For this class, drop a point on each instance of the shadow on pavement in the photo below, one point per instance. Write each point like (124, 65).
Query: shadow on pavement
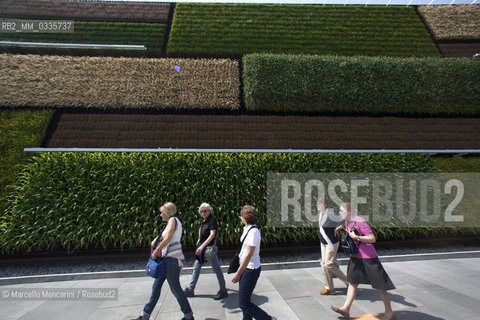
(231, 302)
(372, 295)
(413, 315)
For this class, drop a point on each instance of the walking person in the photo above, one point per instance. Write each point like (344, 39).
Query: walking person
(207, 238)
(364, 267)
(329, 245)
(171, 235)
(250, 267)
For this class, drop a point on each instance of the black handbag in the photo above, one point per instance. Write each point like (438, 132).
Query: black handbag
(209, 251)
(235, 262)
(348, 244)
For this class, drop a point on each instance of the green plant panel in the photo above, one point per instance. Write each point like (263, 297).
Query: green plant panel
(74, 201)
(457, 164)
(370, 85)
(19, 129)
(232, 30)
(122, 33)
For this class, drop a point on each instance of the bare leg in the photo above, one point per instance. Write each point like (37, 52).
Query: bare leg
(386, 301)
(351, 294)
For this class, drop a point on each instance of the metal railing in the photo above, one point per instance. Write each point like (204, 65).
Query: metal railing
(457, 152)
(73, 45)
(324, 2)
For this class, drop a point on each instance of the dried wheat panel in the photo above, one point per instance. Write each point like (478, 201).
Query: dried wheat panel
(459, 22)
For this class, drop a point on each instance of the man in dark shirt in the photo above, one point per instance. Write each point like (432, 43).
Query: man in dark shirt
(207, 237)
(208, 225)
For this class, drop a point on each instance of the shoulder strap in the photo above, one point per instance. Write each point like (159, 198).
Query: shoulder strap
(241, 244)
(159, 236)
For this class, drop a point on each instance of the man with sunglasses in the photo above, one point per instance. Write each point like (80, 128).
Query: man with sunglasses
(207, 236)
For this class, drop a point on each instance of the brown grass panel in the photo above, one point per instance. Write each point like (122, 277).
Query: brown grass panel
(87, 11)
(106, 82)
(458, 50)
(272, 132)
(459, 22)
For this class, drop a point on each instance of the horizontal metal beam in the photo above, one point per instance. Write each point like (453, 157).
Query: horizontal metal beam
(324, 2)
(72, 45)
(193, 150)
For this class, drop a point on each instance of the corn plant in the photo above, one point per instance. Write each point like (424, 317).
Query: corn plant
(76, 201)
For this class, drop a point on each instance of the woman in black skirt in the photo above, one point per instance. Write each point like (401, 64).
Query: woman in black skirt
(364, 266)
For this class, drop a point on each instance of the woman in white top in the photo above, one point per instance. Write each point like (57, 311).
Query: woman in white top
(250, 266)
(171, 235)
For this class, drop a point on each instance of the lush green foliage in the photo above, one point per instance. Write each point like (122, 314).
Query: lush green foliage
(149, 34)
(18, 130)
(232, 30)
(96, 200)
(373, 85)
(457, 164)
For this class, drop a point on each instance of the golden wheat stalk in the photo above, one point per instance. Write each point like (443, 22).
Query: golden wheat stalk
(107, 82)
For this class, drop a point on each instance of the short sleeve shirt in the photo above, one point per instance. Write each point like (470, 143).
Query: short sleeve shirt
(365, 250)
(326, 221)
(253, 239)
(208, 225)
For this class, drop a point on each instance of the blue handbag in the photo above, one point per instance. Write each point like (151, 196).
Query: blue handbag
(156, 269)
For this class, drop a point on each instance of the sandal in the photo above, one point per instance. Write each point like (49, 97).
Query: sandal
(344, 314)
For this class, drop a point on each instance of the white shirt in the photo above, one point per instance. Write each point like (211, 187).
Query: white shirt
(177, 235)
(253, 239)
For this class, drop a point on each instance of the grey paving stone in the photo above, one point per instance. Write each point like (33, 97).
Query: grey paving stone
(440, 289)
(136, 294)
(283, 282)
(116, 313)
(437, 298)
(440, 273)
(16, 310)
(54, 310)
(306, 307)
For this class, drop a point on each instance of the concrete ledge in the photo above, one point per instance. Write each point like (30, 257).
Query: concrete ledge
(208, 269)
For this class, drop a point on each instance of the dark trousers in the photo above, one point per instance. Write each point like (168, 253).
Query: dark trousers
(247, 284)
(172, 275)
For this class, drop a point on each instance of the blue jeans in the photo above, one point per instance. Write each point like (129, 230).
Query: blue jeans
(248, 281)
(216, 268)
(172, 274)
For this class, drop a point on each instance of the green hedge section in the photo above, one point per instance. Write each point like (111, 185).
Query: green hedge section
(370, 85)
(81, 201)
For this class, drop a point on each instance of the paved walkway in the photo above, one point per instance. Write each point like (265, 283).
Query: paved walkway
(427, 289)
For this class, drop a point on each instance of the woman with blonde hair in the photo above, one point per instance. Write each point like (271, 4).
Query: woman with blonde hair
(171, 238)
(364, 267)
